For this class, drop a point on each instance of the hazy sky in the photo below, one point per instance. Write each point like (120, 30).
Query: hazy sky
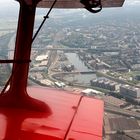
(5, 2)
(132, 2)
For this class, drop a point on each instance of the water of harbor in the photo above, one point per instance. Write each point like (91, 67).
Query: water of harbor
(79, 65)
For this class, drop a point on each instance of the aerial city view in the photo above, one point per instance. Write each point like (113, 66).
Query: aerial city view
(93, 55)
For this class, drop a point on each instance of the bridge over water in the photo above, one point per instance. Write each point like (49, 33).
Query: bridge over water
(97, 50)
(76, 72)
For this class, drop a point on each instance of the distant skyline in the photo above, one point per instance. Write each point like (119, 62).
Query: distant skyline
(132, 2)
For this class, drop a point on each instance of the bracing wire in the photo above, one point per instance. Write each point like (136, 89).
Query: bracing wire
(45, 18)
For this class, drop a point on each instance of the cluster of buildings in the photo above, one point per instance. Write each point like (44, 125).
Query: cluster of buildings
(62, 57)
(105, 84)
(67, 67)
(93, 62)
(39, 67)
(40, 64)
(41, 60)
(127, 91)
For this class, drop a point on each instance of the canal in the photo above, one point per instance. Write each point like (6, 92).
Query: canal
(79, 65)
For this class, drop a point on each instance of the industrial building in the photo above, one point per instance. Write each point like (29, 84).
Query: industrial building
(130, 92)
(110, 100)
(105, 84)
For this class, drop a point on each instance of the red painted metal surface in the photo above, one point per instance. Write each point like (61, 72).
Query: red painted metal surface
(72, 117)
(88, 122)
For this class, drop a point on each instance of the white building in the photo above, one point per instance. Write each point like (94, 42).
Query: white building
(91, 92)
(41, 57)
(47, 82)
(60, 84)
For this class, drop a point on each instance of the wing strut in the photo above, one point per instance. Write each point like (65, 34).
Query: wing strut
(17, 95)
(27, 61)
(45, 18)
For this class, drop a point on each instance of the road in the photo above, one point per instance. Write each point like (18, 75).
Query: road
(125, 131)
(123, 112)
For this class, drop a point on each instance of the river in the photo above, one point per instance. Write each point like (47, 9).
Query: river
(79, 66)
(76, 61)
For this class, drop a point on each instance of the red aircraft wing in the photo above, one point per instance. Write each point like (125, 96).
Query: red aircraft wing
(72, 117)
